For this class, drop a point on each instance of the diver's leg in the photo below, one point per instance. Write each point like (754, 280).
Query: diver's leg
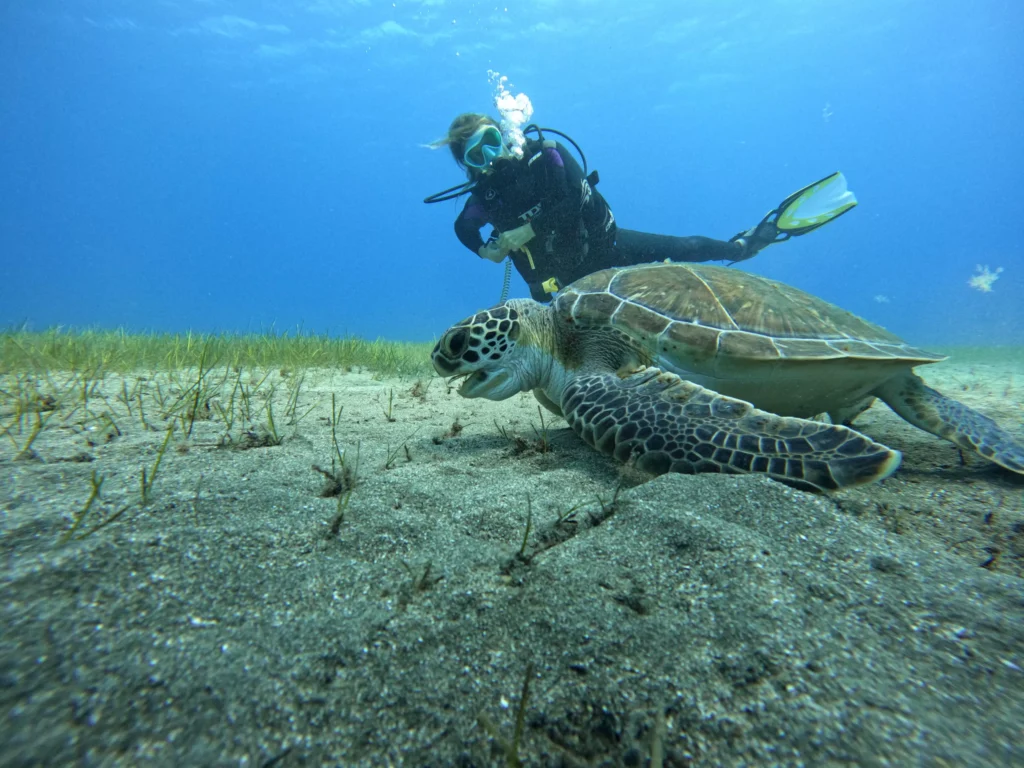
(632, 247)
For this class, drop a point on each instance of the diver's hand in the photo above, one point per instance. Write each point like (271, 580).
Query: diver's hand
(516, 238)
(492, 251)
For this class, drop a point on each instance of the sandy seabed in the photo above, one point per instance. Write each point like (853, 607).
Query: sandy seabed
(236, 619)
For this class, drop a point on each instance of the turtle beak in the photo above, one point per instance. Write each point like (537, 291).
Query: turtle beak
(451, 381)
(493, 385)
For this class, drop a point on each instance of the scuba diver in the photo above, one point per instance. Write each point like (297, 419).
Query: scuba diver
(547, 215)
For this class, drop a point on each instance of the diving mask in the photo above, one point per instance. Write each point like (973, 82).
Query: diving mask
(484, 147)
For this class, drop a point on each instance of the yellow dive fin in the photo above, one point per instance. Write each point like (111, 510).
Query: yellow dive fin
(815, 205)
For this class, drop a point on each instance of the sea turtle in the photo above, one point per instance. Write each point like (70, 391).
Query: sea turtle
(696, 368)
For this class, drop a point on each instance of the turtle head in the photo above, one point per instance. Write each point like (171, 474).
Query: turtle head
(484, 350)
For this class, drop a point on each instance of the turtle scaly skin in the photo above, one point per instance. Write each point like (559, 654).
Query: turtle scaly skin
(662, 423)
(944, 417)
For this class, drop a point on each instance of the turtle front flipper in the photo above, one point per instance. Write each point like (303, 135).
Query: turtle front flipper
(944, 417)
(664, 423)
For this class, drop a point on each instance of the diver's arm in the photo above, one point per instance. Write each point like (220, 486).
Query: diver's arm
(467, 229)
(468, 232)
(467, 226)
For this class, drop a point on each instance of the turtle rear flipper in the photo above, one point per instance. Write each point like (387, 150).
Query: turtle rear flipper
(666, 424)
(944, 417)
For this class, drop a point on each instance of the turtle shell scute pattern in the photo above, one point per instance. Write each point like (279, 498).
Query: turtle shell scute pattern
(707, 311)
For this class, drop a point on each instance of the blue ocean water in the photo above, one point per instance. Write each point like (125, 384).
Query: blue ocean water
(220, 165)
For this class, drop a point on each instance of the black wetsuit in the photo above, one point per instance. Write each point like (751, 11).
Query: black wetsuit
(575, 230)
